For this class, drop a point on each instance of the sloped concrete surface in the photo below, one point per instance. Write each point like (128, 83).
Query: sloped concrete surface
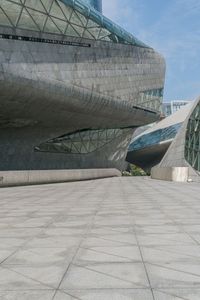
(116, 239)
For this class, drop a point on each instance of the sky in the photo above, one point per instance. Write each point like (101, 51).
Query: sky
(172, 27)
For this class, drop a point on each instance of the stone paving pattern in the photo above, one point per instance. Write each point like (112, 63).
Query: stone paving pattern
(116, 239)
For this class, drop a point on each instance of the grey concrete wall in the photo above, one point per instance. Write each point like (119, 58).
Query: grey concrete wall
(15, 178)
(177, 174)
(17, 152)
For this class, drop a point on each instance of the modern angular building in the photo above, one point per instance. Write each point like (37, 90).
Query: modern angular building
(182, 160)
(73, 86)
(173, 106)
(148, 148)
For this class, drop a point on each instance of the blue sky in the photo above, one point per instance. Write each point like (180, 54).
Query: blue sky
(173, 28)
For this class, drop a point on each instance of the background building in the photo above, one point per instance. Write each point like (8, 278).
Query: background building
(171, 107)
(74, 86)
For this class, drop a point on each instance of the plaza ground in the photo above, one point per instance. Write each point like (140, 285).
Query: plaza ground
(110, 239)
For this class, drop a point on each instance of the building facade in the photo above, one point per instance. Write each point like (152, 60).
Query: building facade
(74, 86)
(147, 149)
(183, 155)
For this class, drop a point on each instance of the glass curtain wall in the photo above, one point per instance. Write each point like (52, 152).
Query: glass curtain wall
(67, 17)
(192, 144)
(82, 142)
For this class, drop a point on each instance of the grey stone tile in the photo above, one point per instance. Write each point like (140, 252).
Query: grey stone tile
(4, 254)
(26, 295)
(63, 295)
(100, 241)
(154, 254)
(50, 276)
(49, 226)
(54, 242)
(12, 280)
(112, 294)
(40, 257)
(110, 230)
(158, 295)
(187, 250)
(82, 278)
(131, 253)
(7, 243)
(162, 277)
(130, 272)
(87, 256)
(177, 293)
(34, 222)
(19, 232)
(106, 275)
(165, 239)
(164, 229)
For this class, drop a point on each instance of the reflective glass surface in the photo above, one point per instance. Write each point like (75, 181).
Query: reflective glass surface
(154, 137)
(82, 142)
(192, 144)
(97, 4)
(67, 17)
(151, 99)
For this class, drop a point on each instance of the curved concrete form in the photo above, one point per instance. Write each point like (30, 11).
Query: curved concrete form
(147, 149)
(184, 153)
(74, 86)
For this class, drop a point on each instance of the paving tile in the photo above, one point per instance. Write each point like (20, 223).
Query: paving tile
(158, 295)
(40, 257)
(87, 239)
(54, 242)
(110, 294)
(130, 272)
(63, 295)
(87, 256)
(177, 293)
(165, 239)
(12, 280)
(187, 250)
(130, 253)
(163, 277)
(104, 276)
(154, 254)
(100, 241)
(7, 243)
(50, 276)
(26, 295)
(4, 254)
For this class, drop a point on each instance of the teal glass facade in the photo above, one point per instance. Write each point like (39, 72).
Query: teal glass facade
(155, 137)
(74, 18)
(82, 142)
(192, 139)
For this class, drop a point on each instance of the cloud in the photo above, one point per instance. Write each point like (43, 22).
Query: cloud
(122, 12)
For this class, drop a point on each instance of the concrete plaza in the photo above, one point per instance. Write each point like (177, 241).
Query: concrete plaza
(111, 239)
